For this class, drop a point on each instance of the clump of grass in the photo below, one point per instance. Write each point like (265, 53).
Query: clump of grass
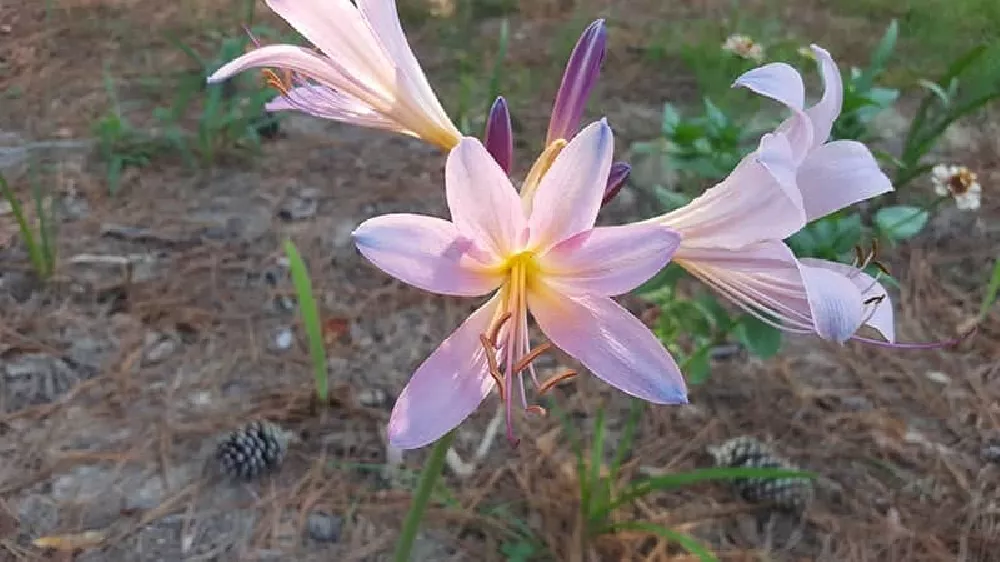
(39, 240)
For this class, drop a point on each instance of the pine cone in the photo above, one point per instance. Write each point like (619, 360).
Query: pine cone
(252, 450)
(791, 494)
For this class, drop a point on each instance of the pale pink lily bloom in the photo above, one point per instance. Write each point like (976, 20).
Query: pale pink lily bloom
(364, 73)
(732, 235)
(550, 261)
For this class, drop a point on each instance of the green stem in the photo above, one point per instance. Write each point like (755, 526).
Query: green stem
(428, 478)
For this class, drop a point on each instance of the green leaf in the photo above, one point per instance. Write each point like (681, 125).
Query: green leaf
(671, 119)
(991, 291)
(762, 340)
(901, 222)
(687, 542)
(698, 365)
(310, 318)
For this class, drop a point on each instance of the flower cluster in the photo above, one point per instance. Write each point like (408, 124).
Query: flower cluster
(534, 247)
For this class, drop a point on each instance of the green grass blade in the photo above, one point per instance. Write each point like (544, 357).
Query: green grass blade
(34, 252)
(628, 436)
(310, 318)
(991, 291)
(45, 226)
(687, 542)
(590, 480)
(666, 482)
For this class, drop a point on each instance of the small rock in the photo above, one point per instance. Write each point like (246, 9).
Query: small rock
(301, 206)
(991, 453)
(38, 514)
(938, 377)
(282, 339)
(374, 398)
(73, 208)
(324, 527)
(158, 348)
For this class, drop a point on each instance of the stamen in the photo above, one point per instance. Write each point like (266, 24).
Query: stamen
(859, 256)
(881, 267)
(495, 330)
(272, 80)
(556, 379)
(875, 300)
(537, 410)
(530, 357)
(491, 361)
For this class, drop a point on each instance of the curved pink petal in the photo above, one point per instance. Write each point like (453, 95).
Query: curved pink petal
(611, 343)
(767, 280)
(569, 195)
(838, 174)
(426, 252)
(483, 203)
(835, 302)
(610, 260)
(296, 59)
(338, 29)
(783, 84)
(383, 18)
(827, 109)
(447, 387)
(777, 81)
(879, 310)
(758, 201)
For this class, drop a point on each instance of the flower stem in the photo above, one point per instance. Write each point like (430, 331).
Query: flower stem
(428, 478)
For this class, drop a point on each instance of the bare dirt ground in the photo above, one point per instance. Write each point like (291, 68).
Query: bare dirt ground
(115, 385)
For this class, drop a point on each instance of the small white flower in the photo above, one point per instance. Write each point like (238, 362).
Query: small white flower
(744, 46)
(960, 183)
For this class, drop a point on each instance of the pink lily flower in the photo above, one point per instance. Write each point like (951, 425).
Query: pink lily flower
(550, 261)
(365, 73)
(831, 175)
(732, 235)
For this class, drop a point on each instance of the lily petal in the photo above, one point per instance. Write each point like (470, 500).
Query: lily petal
(835, 302)
(826, 110)
(758, 201)
(767, 280)
(483, 203)
(338, 29)
(880, 314)
(611, 343)
(569, 194)
(777, 81)
(447, 387)
(838, 174)
(426, 252)
(610, 260)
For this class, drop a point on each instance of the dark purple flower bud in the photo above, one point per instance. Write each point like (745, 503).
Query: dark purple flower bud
(616, 180)
(578, 80)
(499, 139)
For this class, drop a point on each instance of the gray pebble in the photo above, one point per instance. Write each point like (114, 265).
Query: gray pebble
(324, 527)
